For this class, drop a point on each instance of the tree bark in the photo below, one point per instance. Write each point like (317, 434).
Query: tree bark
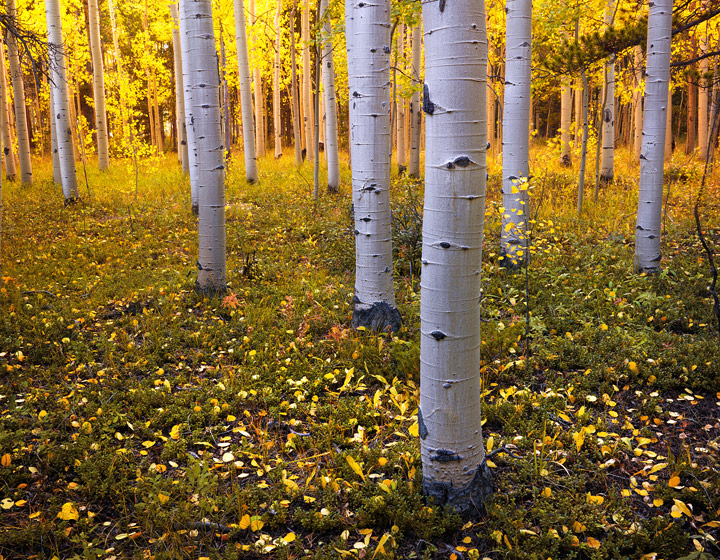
(449, 417)
(330, 102)
(21, 126)
(307, 80)
(276, 84)
(294, 94)
(248, 128)
(367, 37)
(607, 160)
(193, 163)
(565, 121)
(703, 97)
(637, 102)
(179, 91)
(415, 105)
(5, 128)
(647, 232)
(98, 86)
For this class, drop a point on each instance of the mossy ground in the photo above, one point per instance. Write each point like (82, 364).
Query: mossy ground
(141, 420)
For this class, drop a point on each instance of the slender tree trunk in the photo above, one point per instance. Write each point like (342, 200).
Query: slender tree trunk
(204, 84)
(226, 100)
(703, 97)
(583, 150)
(276, 84)
(259, 99)
(668, 127)
(119, 74)
(307, 79)
(400, 104)
(607, 160)
(578, 111)
(331, 134)
(648, 230)
(5, 128)
(415, 105)
(251, 171)
(57, 175)
(368, 31)
(179, 91)
(637, 102)
(491, 105)
(449, 418)
(98, 86)
(21, 126)
(294, 95)
(692, 112)
(565, 121)
(61, 101)
(516, 132)
(158, 116)
(187, 69)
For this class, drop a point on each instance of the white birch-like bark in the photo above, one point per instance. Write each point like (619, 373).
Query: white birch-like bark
(637, 102)
(246, 109)
(452, 451)
(330, 103)
(179, 91)
(257, 87)
(61, 101)
(21, 127)
(400, 104)
(204, 85)
(101, 126)
(657, 77)
(703, 98)
(57, 176)
(5, 128)
(607, 157)
(276, 84)
(668, 127)
(294, 94)
(565, 120)
(415, 104)
(577, 113)
(368, 50)
(193, 163)
(307, 82)
(490, 107)
(516, 133)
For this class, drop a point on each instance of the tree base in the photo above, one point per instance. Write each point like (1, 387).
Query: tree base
(195, 210)
(401, 170)
(71, 201)
(607, 179)
(465, 501)
(379, 316)
(565, 161)
(210, 291)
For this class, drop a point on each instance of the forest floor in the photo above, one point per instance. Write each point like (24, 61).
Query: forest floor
(139, 419)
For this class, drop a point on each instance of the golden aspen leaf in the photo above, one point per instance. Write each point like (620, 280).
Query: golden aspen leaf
(682, 506)
(546, 493)
(68, 512)
(414, 429)
(632, 366)
(593, 543)
(42, 414)
(256, 523)
(674, 481)
(578, 527)
(290, 537)
(596, 500)
(35, 515)
(163, 498)
(381, 545)
(244, 522)
(579, 438)
(148, 444)
(6, 460)
(490, 443)
(355, 467)
(7, 503)
(657, 502)
(490, 464)
(175, 432)
(675, 512)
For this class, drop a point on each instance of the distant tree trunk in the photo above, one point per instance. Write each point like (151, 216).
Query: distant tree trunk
(703, 98)
(415, 105)
(57, 175)
(692, 113)
(119, 74)
(193, 163)
(61, 101)
(179, 91)
(21, 126)
(490, 108)
(307, 79)
(276, 84)
(637, 102)
(607, 160)
(294, 94)
(259, 99)
(204, 84)
(516, 132)
(583, 149)
(668, 127)
(226, 100)
(449, 416)
(251, 171)
(330, 102)
(98, 86)
(5, 128)
(578, 112)
(368, 31)
(565, 121)
(399, 103)
(648, 230)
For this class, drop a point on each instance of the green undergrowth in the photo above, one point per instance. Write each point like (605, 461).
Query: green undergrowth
(139, 419)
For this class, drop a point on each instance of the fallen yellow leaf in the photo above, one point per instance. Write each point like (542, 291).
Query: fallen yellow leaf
(68, 512)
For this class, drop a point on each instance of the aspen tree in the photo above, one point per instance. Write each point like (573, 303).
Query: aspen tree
(307, 81)
(5, 128)
(330, 102)
(607, 159)
(415, 105)
(61, 101)
(204, 85)
(193, 163)
(276, 83)
(367, 27)
(668, 127)
(449, 420)
(703, 96)
(57, 176)
(179, 91)
(101, 128)
(21, 127)
(637, 101)
(294, 93)
(565, 120)
(251, 171)
(516, 133)
(400, 105)
(259, 100)
(657, 77)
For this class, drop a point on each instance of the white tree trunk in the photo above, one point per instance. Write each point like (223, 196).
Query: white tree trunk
(61, 101)
(516, 133)
(21, 127)
(5, 128)
(368, 50)
(179, 91)
(246, 110)
(101, 126)
(657, 77)
(187, 101)
(400, 103)
(637, 102)
(294, 94)
(57, 176)
(415, 105)
(276, 84)
(307, 82)
(607, 159)
(703, 98)
(330, 102)
(565, 120)
(452, 451)
(204, 85)
(668, 127)
(259, 99)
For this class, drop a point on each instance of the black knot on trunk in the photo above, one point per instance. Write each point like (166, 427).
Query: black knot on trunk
(438, 335)
(428, 106)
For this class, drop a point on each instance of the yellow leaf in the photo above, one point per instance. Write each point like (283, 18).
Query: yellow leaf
(632, 366)
(593, 543)
(547, 492)
(6, 460)
(674, 481)
(68, 512)
(381, 545)
(163, 498)
(290, 537)
(597, 500)
(175, 431)
(578, 527)
(682, 507)
(657, 502)
(42, 414)
(7, 503)
(579, 438)
(490, 443)
(256, 523)
(355, 467)
(244, 522)
(148, 444)
(414, 430)
(36, 514)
